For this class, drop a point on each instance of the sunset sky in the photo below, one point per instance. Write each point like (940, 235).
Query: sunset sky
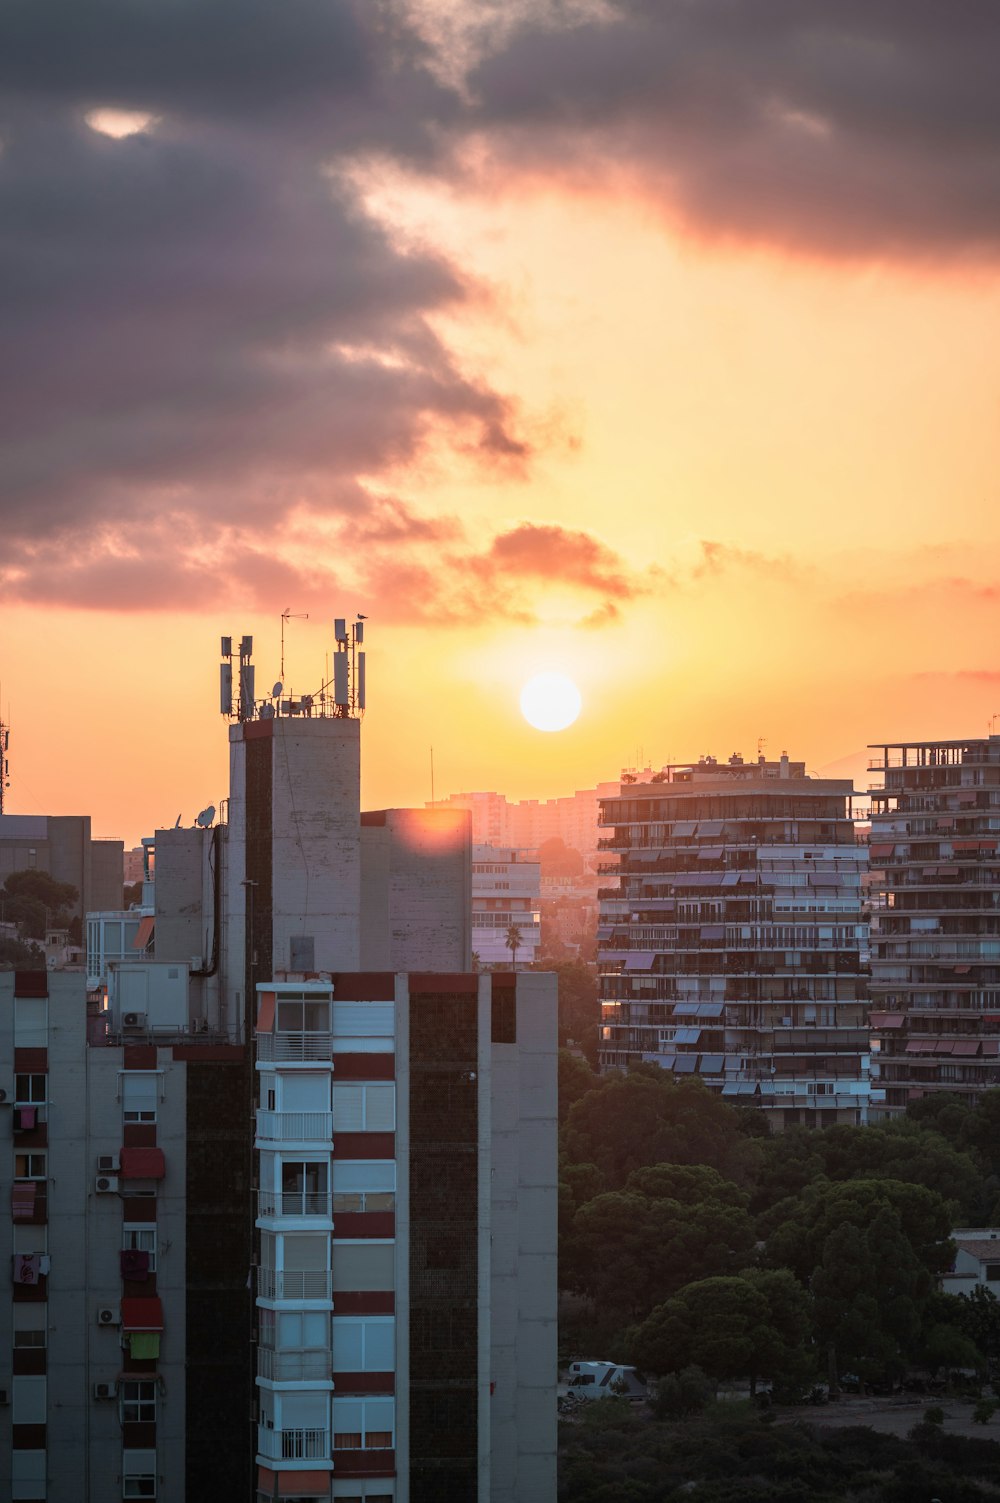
(650, 341)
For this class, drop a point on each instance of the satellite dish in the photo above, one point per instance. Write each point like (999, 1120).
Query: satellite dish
(205, 817)
(276, 690)
(177, 823)
(267, 712)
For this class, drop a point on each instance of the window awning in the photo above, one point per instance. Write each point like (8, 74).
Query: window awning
(878, 851)
(684, 828)
(713, 931)
(990, 1046)
(265, 1012)
(710, 828)
(946, 1046)
(925, 1046)
(144, 933)
(709, 1009)
(730, 879)
(887, 1020)
(640, 960)
(142, 1313)
(710, 853)
(711, 1064)
(962, 970)
(687, 1035)
(685, 1064)
(967, 1046)
(142, 1163)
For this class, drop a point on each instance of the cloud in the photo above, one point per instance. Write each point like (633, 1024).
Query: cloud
(206, 336)
(546, 551)
(866, 127)
(718, 558)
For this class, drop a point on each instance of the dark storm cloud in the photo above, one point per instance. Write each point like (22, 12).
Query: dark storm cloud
(201, 322)
(837, 126)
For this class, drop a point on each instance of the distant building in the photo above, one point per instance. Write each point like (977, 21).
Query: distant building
(505, 891)
(731, 943)
(977, 1260)
(62, 845)
(935, 986)
(527, 824)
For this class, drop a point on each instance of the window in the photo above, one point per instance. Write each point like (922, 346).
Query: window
(364, 1108)
(304, 1186)
(303, 1015)
(31, 1022)
(140, 1237)
(503, 1017)
(29, 1325)
(137, 1401)
(29, 1400)
(363, 1424)
(27, 1474)
(993, 1273)
(363, 1345)
(369, 1185)
(29, 1165)
(140, 1089)
(138, 1474)
(30, 1090)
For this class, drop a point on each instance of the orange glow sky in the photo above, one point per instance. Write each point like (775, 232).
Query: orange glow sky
(746, 484)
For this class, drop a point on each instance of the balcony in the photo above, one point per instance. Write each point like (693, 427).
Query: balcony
(288, 1127)
(293, 1445)
(293, 1048)
(287, 1366)
(293, 1203)
(294, 1283)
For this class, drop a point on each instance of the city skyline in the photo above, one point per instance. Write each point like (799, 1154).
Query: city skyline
(683, 388)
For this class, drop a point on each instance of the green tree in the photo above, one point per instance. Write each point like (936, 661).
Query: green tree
(629, 1252)
(575, 1079)
(35, 901)
(19, 955)
(579, 1008)
(869, 1251)
(727, 1327)
(643, 1118)
(977, 1315)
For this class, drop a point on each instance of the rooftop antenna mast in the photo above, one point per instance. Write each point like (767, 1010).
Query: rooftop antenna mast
(286, 615)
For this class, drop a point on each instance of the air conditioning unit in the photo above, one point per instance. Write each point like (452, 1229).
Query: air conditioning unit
(108, 1316)
(104, 1390)
(106, 1184)
(134, 1020)
(107, 1163)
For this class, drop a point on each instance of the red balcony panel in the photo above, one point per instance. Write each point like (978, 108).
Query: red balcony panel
(141, 1435)
(364, 1463)
(29, 1361)
(448, 981)
(31, 1061)
(211, 1054)
(27, 1437)
(142, 1163)
(291, 1484)
(31, 1294)
(364, 986)
(31, 983)
(364, 1301)
(139, 1135)
(364, 1223)
(139, 1057)
(364, 1145)
(139, 1208)
(347, 1383)
(364, 1066)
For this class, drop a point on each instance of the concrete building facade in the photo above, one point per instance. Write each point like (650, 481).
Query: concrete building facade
(505, 892)
(935, 854)
(63, 846)
(260, 1234)
(731, 943)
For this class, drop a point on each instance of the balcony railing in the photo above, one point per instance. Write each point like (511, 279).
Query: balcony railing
(294, 1283)
(284, 1127)
(294, 1046)
(292, 1366)
(293, 1203)
(293, 1445)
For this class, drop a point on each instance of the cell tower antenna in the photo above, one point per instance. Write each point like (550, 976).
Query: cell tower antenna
(286, 615)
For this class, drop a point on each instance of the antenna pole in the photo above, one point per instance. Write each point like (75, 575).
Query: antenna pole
(286, 615)
(432, 774)
(4, 761)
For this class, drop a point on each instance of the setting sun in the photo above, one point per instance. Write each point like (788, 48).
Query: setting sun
(550, 701)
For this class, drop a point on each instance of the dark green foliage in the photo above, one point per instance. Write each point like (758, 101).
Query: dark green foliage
(683, 1393)
(20, 955)
(34, 901)
(579, 1012)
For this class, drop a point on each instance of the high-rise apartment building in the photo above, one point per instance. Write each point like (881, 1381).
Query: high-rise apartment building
(282, 1194)
(936, 924)
(62, 846)
(731, 944)
(505, 894)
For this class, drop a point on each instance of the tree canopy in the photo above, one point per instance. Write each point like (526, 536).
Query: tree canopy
(35, 901)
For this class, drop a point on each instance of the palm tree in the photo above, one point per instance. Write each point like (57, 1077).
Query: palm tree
(513, 943)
